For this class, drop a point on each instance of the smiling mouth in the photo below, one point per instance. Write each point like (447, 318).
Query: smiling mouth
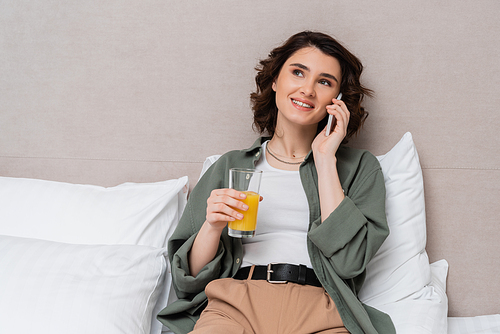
(302, 104)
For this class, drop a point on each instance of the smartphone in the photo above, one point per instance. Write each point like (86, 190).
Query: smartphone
(330, 119)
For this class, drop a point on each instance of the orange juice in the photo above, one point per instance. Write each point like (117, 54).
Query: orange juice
(249, 220)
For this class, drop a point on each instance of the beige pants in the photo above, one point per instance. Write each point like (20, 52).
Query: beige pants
(256, 306)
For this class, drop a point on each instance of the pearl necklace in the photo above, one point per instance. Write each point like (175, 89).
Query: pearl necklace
(283, 161)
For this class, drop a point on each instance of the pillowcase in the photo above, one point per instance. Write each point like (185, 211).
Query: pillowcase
(401, 266)
(399, 279)
(130, 213)
(425, 311)
(49, 287)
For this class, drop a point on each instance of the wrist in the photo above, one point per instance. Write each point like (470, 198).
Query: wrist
(326, 164)
(214, 229)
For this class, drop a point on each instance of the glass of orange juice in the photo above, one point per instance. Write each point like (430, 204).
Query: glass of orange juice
(248, 182)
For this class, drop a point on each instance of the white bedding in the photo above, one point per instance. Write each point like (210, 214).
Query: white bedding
(486, 324)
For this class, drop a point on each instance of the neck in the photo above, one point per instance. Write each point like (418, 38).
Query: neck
(294, 143)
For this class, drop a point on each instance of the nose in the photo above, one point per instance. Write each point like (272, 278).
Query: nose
(307, 89)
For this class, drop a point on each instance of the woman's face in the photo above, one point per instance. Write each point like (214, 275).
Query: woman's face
(306, 84)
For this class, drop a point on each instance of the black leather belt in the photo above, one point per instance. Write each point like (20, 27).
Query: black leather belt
(281, 273)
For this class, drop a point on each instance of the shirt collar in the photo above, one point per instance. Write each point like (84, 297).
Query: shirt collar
(257, 145)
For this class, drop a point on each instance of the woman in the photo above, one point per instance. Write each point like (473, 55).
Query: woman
(322, 213)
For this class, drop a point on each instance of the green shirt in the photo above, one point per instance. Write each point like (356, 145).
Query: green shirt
(339, 248)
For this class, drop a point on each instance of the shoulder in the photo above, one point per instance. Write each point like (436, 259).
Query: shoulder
(244, 158)
(232, 156)
(240, 158)
(232, 159)
(355, 166)
(360, 171)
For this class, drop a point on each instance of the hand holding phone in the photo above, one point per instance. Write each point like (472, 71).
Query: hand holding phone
(330, 119)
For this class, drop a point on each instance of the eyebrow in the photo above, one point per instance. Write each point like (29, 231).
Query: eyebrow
(305, 68)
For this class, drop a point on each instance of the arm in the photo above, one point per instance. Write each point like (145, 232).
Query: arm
(194, 238)
(329, 188)
(351, 235)
(220, 210)
(351, 229)
(324, 149)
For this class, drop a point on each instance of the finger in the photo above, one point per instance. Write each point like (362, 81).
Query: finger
(222, 212)
(229, 196)
(220, 217)
(228, 192)
(340, 103)
(228, 201)
(344, 108)
(340, 106)
(342, 118)
(340, 123)
(339, 111)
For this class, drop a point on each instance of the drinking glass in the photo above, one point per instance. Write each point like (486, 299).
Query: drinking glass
(247, 181)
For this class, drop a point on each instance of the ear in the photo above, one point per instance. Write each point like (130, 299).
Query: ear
(274, 85)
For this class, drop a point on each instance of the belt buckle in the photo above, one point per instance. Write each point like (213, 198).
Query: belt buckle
(269, 272)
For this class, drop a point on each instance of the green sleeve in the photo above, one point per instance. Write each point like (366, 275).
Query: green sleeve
(179, 245)
(181, 242)
(185, 284)
(355, 230)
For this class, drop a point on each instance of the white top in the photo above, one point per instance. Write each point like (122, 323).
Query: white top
(282, 219)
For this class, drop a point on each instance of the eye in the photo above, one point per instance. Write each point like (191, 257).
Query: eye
(325, 82)
(298, 73)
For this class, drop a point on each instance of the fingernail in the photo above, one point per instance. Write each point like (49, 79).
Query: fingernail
(242, 195)
(245, 207)
(240, 216)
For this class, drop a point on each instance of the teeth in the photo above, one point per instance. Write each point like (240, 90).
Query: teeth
(302, 104)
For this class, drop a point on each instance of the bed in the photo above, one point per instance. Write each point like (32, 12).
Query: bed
(109, 113)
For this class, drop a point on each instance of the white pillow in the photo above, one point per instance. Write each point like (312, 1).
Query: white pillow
(53, 288)
(425, 311)
(398, 279)
(130, 213)
(401, 266)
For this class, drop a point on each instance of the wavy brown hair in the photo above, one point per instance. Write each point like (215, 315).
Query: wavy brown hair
(263, 99)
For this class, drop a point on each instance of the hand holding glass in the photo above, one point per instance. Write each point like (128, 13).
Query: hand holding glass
(248, 182)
